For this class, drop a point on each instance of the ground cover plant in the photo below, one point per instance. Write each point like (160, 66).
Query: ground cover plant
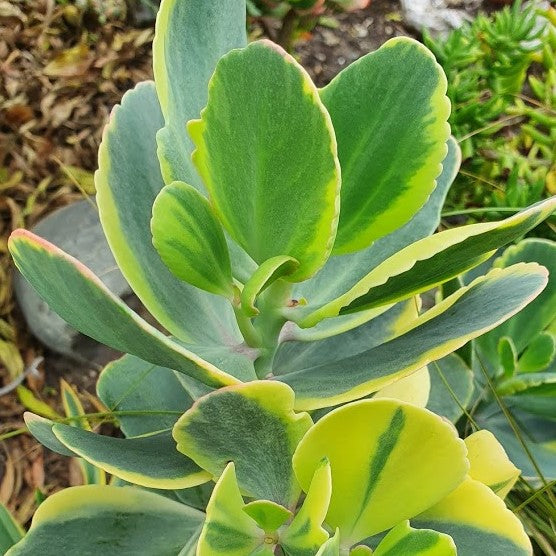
(502, 84)
(280, 235)
(296, 17)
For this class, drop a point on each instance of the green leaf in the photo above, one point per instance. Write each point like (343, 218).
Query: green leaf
(92, 475)
(390, 461)
(87, 305)
(293, 354)
(305, 534)
(41, 429)
(155, 393)
(127, 155)
(254, 426)
(267, 155)
(413, 389)
(527, 324)
(459, 318)
(268, 515)
(151, 460)
(450, 377)
(264, 276)
(405, 540)
(190, 240)
(537, 430)
(342, 272)
(390, 114)
(360, 550)
(88, 520)
(539, 354)
(10, 531)
(331, 547)
(228, 529)
(191, 36)
(489, 463)
(476, 519)
(507, 355)
(431, 261)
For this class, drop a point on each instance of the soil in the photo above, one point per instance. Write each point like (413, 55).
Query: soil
(58, 81)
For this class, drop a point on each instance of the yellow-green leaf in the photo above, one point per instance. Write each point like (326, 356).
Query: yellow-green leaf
(228, 530)
(253, 425)
(390, 114)
(477, 520)
(489, 463)
(267, 155)
(390, 461)
(405, 540)
(190, 240)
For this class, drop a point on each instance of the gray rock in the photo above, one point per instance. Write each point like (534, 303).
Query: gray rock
(437, 16)
(76, 229)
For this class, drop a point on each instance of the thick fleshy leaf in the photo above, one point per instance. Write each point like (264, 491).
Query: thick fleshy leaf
(296, 354)
(540, 353)
(155, 393)
(527, 324)
(87, 304)
(89, 520)
(190, 38)
(264, 276)
(402, 89)
(267, 154)
(127, 156)
(413, 389)
(451, 387)
(92, 475)
(228, 530)
(331, 547)
(305, 534)
(10, 531)
(41, 429)
(150, 460)
(459, 318)
(405, 540)
(431, 261)
(507, 355)
(268, 515)
(340, 273)
(489, 463)
(538, 433)
(361, 550)
(190, 240)
(477, 519)
(254, 426)
(390, 461)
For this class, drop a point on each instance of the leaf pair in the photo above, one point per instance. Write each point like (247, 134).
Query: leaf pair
(266, 150)
(385, 462)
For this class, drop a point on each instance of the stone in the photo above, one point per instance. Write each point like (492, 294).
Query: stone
(76, 229)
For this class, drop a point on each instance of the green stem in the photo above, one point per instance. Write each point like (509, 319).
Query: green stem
(270, 322)
(248, 331)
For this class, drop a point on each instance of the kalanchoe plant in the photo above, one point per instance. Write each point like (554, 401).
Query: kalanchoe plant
(367, 468)
(281, 239)
(512, 366)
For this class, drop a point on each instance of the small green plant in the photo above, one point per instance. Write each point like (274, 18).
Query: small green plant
(280, 234)
(10, 531)
(295, 16)
(506, 385)
(513, 369)
(502, 84)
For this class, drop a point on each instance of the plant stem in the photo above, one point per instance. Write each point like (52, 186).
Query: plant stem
(270, 322)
